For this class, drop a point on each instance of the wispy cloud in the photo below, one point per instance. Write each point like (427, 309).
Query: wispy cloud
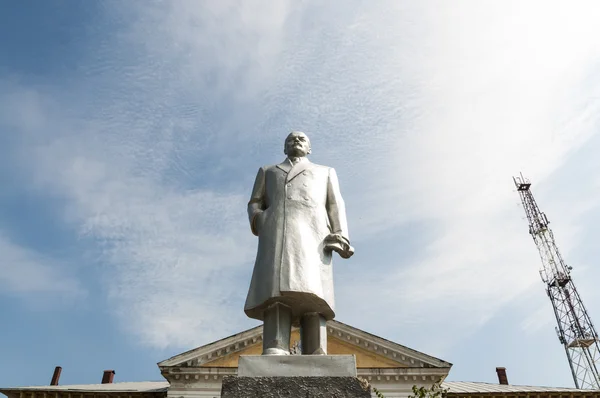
(169, 251)
(25, 273)
(540, 319)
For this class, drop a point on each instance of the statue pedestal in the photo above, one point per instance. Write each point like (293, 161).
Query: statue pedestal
(297, 365)
(294, 387)
(314, 376)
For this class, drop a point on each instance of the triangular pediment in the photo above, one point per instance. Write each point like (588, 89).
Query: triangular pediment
(371, 351)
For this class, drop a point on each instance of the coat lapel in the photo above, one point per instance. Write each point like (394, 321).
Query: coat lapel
(285, 166)
(297, 169)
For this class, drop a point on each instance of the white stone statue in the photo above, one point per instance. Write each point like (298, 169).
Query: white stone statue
(298, 214)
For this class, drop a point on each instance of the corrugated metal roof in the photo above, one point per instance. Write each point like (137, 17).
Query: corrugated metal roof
(476, 387)
(142, 386)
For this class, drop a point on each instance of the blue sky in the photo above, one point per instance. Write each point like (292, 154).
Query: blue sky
(131, 133)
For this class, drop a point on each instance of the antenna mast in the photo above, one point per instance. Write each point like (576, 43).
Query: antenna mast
(575, 329)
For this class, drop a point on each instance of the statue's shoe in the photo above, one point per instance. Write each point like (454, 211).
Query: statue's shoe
(275, 351)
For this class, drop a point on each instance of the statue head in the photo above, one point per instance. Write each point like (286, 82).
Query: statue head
(296, 144)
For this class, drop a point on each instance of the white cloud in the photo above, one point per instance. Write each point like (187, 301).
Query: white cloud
(499, 89)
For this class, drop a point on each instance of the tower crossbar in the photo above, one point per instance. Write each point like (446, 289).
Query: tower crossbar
(575, 329)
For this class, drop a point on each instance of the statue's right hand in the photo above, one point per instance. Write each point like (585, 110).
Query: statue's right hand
(255, 223)
(259, 220)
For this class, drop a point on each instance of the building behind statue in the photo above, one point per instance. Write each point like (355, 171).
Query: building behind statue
(390, 367)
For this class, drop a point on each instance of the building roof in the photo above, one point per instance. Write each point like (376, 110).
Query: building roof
(404, 356)
(142, 386)
(159, 386)
(466, 387)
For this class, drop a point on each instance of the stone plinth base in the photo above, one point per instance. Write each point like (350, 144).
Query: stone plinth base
(297, 365)
(292, 387)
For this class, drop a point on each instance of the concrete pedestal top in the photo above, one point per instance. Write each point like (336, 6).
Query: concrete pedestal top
(297, 366)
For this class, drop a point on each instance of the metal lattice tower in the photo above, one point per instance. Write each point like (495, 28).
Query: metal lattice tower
(575, 329)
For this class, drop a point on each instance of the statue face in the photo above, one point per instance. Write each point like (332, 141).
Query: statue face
(297, 144)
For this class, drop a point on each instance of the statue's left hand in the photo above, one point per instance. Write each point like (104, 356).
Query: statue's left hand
(340, 244)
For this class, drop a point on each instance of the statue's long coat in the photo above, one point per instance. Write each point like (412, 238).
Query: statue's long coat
(291, 210)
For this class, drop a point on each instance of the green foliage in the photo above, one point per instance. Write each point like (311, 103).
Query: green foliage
(436, 391)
